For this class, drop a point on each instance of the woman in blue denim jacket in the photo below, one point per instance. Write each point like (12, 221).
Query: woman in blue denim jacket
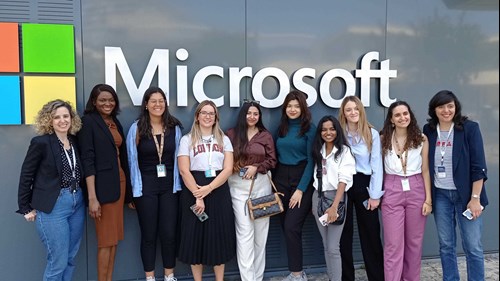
(152, 144)
(457, 167)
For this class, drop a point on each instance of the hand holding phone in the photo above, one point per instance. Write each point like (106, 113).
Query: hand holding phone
(202, 217)
(468, 214)
(323, 220)
(365, 203)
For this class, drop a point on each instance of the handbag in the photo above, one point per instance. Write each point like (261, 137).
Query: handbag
(265, 206)
(325, 202)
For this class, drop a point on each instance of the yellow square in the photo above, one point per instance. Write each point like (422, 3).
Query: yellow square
(38, 90)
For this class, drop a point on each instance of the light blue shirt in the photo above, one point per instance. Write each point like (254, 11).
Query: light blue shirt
(369, 163)
(135, 173)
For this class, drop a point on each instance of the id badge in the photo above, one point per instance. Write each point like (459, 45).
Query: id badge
(210, 174)
(161, 171)
(406, 184)
(441, 172)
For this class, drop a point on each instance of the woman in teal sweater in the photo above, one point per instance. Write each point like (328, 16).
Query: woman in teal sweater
(293, 175)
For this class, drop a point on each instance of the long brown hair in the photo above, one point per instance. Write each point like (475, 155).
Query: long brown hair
(364, 127)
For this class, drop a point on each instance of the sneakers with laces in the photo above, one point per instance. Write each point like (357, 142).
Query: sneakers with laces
(292, 277)
(170, 277)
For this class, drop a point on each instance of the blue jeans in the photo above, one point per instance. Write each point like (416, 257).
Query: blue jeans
(61, 232)
(447, 212)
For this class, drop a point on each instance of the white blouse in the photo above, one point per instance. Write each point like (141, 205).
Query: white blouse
(337, 170)
(393, 165)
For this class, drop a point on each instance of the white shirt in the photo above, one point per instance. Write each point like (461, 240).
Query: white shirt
(204, 152)
(393, 164)
(337, 170)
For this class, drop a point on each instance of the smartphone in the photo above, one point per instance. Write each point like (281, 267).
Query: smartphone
(243, 171)
(323, 220)
(202, 217)
(468, 214)
(365, 203)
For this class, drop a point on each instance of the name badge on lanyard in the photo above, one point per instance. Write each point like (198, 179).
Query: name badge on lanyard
(161, 170)
(210, 173)
(441, 172)
(406, 184)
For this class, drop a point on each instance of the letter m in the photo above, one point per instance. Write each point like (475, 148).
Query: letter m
(115, 60)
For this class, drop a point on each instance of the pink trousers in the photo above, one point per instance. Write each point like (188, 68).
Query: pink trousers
(404, 227)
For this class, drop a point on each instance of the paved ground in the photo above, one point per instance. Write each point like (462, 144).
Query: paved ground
(431, 271)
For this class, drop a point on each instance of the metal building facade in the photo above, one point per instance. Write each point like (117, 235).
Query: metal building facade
(432, 44)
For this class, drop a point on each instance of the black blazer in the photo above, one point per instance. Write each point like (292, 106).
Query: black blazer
(99, 158)
(41, 174)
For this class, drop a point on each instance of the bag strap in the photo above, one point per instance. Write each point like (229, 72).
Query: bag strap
(272, 184)
(319, 176)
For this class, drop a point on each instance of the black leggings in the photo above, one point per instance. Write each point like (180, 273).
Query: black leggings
(158, 214)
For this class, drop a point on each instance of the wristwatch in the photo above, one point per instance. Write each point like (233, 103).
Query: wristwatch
(475, 196)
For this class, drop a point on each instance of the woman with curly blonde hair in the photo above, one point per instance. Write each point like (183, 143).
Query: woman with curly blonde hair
(49, 187)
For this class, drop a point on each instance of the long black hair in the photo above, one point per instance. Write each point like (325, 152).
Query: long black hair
(339, 141)
(240, 132)
(444, 97)
(144, 124)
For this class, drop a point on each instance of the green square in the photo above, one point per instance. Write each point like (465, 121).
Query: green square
(48, 48)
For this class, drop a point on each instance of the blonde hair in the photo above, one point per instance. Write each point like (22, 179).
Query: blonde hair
(364, 127)
(44, 118)
(195, 128)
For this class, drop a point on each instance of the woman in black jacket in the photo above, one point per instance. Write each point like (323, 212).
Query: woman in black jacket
(49, 187)
(104, 160)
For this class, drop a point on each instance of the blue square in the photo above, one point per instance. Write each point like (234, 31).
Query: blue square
(10, 96)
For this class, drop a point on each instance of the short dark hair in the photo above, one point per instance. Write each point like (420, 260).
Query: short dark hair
(444, 97)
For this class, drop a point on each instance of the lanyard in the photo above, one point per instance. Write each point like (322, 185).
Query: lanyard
(209, 142)
(71, 167)
(404, 153)
(159, 147)
(443, 144)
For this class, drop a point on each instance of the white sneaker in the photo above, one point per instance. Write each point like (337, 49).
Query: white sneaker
(292, 277)
(150, 278)
(170, 277)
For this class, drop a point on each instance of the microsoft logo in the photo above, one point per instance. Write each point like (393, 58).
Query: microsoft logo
(36, 71)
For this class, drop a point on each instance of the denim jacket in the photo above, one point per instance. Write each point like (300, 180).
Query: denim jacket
(135, 173)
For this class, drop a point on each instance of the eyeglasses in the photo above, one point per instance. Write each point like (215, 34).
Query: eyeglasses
(251, 101)
(205, 113)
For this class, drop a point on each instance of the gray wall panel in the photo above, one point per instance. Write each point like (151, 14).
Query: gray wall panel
(432, 44)
(436, 46)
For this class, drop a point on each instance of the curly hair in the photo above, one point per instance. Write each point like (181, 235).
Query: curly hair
(414, 135)
(44, 118)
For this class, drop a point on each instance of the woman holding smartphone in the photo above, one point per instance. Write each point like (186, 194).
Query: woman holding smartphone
(254, 154)
(207, 221)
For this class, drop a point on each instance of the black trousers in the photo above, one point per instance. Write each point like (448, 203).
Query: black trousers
(369, 233)
(157, 213)
(286, 179)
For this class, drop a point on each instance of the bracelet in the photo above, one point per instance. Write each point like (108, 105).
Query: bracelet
(429, 204)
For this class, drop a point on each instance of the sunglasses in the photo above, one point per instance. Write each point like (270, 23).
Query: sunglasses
(251, 101)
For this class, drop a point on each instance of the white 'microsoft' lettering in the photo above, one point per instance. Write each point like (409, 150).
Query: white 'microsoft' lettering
(115, 60)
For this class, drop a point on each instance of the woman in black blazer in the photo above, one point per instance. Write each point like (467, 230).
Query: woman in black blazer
(49, 187)
(105, 166)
